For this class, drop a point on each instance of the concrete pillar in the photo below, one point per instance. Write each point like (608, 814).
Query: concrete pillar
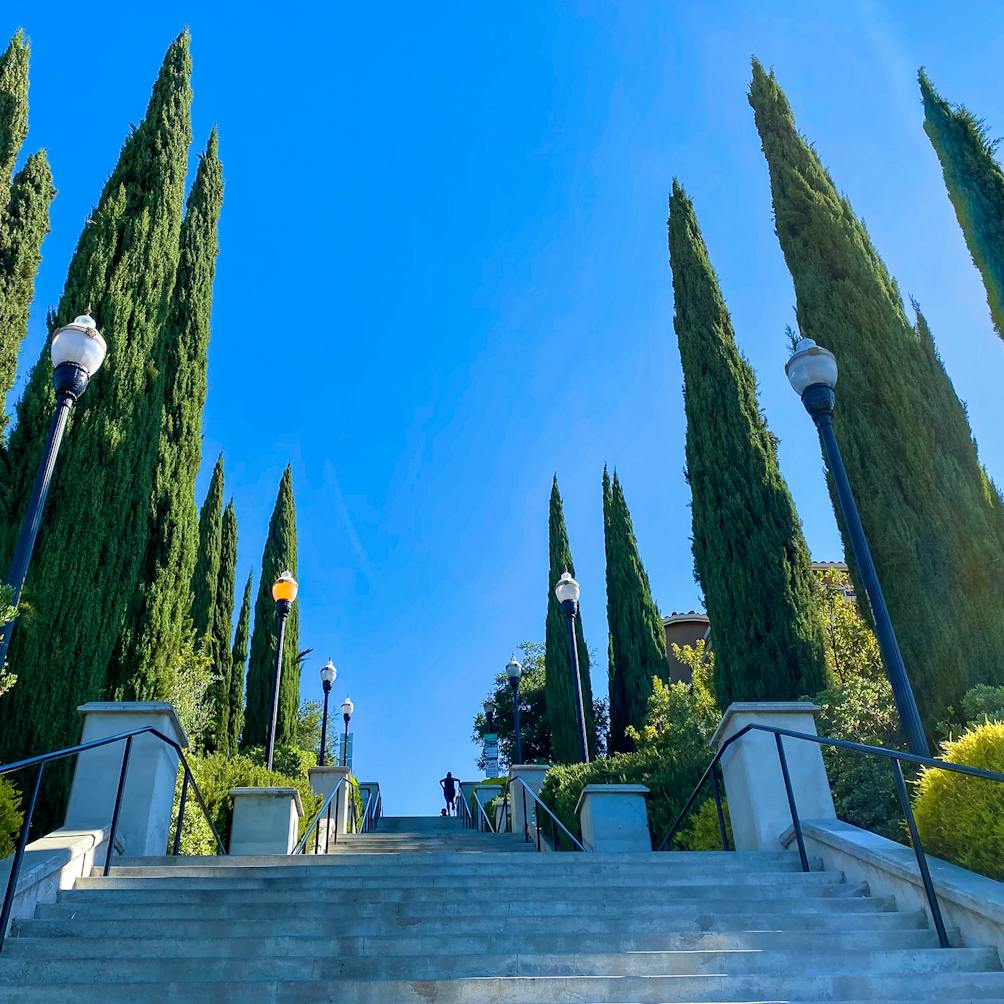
(614, 817)
(754, 784)
(266, 820)
(533, 775)
(322, 782)
(145, 816)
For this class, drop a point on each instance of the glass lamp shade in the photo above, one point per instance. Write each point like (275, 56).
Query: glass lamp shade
(567, 589)
(811, 364)
(285, 587)
(79, 343)
(348, 707)
(328, 672)
(489, 707)
(514, 669)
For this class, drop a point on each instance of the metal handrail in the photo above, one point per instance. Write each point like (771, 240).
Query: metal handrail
(468, 816)
(555, 822)
(366, 812)
(315, 823)
(895, 758)
(39, 763)
(483, 814)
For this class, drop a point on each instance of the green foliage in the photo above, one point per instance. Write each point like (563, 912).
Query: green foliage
(158, 626)
(637, 644)
(217, 643)
(308, 730)
(932, 518)
(24, 214)
(215, 774)
(961, 818)
(979, 705)
(702, 832)
(191, 683)
(11, 817)
(749, 554)
(279, 555)
(558, 691)
(8, 611)
(86, 569)
(975, 184)
(238, 663)
(205, 579)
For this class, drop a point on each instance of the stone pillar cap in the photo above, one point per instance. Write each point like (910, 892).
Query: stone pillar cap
(271, 793)
(528, 768)
(330, 769)
(762, 708)
(138, 708)
(610, 789)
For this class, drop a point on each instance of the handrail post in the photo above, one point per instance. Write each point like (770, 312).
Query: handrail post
(181, 813)
(526, 826)
(716, 789)
(918, 850)
(15, 865)
(118, 806)
(791, 803)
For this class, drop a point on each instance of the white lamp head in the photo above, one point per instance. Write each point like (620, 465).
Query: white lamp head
(514, 669)
(811, 364)
(567, 589)
(348, 707)
(328, 673)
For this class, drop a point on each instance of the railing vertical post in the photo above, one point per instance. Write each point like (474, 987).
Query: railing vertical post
(15, 864)
(718, 806)
(791, 803)
(536, 819)
(918, 850)
(526, 822)
(118, 806)
(181, 813)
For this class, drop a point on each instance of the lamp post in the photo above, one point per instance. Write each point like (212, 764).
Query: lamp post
(347, 710)
(489, 708)
(812, 372)
(567, 591)
(514, 669)
(284, 591)
(77, 352)
(328, 674)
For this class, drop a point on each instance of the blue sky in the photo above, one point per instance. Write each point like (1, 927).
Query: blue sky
(444, 277)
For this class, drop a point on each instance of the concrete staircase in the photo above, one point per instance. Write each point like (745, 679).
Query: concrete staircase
(424, 911)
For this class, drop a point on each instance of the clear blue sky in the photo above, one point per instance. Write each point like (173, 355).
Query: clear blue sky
(444, 277)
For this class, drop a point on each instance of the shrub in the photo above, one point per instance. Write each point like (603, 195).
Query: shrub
(961, 818)
(703, 833)
(980, 704)
(11, 817)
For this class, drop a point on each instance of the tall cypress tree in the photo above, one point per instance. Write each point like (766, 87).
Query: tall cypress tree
(238, 663)
(24, 212)
(749, 554)
(975, 183)
(159, 626)
(207, 561)
(95, 533)
(558, 692)
(637, 645)
(218, 642)
(278, 556)
(931, 516)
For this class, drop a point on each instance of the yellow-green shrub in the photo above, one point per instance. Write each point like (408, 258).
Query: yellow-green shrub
(10, 817)
(961, 818)
(703, 833)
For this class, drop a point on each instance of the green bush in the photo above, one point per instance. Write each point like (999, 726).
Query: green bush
(11, 817)
(961, 819)
(703, 833)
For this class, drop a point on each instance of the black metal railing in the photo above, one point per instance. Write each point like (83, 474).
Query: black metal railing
(895, 758)
(40, 763)
(372, 812)
(464, 811)
(314, 825)
(557, 827)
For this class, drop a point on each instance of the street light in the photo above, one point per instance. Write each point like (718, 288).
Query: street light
(514, 669)
(567, 591)
(284, 591)
(77, 352)
(812, 372)
(347, 710)
(328, 674)
(489, 708)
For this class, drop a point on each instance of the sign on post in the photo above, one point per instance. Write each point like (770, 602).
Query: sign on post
(491, 751)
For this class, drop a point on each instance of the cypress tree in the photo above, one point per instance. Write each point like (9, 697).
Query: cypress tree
(975, 184)
(278, 556)
(637, 644)
(931, 516)
(559, 696)
(159, 626)
(95, 533)
(217, 644)
(749, 554)
(238, 663)
(24, 212)
(207, 561)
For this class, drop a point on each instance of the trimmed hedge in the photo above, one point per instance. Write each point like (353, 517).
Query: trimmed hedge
(961, 819)
(11, 817)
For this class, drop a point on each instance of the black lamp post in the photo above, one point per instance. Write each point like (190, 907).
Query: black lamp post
(328, 674)
(514, 669)
(812, 371)
(567, 591)
(489, 708)
(347, 710)
(77, 352)
(284, 591)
